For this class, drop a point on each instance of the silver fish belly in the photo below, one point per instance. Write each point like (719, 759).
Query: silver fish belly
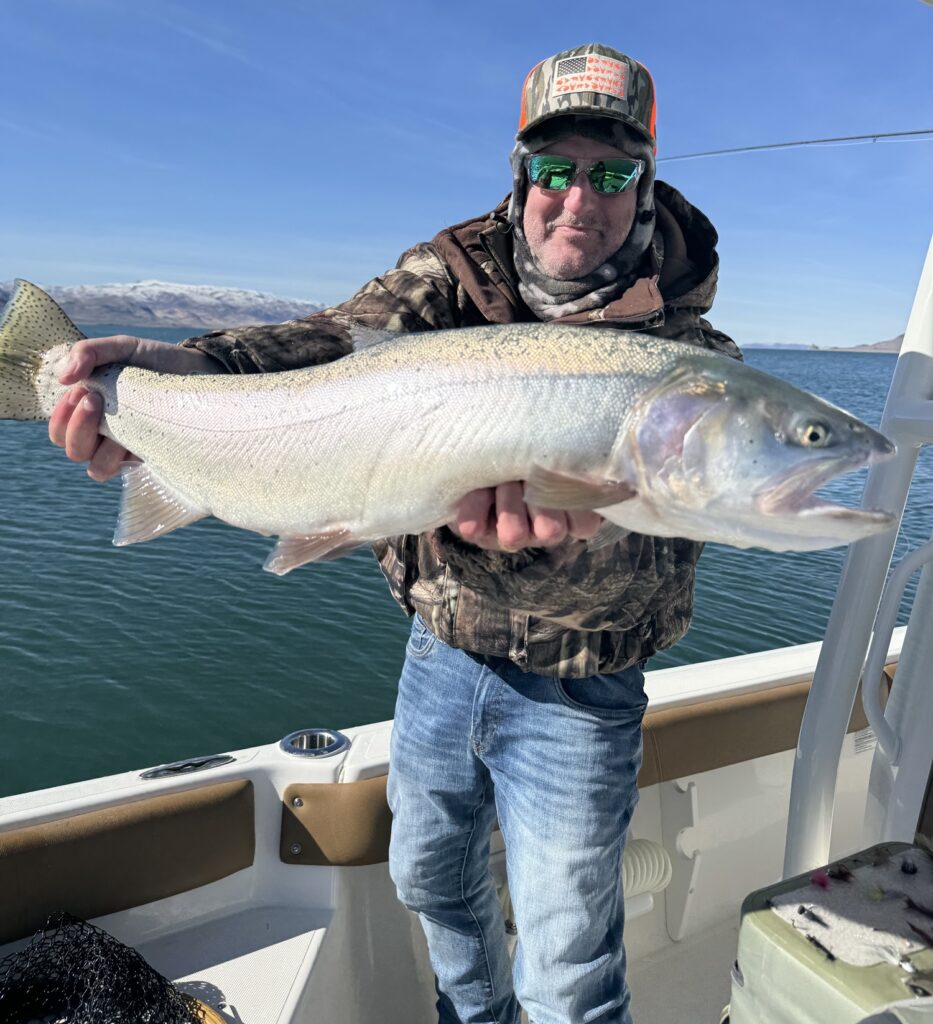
(661, 437)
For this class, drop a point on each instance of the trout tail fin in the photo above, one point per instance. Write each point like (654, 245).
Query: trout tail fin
(35, 335)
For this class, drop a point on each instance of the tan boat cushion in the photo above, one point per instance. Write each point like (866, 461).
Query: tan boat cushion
(700, 737)
(349, 823)
(336, 823)
(108, 860)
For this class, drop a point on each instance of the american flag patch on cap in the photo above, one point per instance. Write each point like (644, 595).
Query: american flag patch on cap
(591, 73)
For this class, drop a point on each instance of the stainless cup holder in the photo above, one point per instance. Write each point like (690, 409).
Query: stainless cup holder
(314, 743)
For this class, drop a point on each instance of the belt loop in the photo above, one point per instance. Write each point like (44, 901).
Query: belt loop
(518, 638)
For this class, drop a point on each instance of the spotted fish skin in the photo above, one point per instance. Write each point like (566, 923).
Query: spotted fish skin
(664, 439)
(28, 354)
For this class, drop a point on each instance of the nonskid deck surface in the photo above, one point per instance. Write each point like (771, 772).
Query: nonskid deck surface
(239, 964)
(686, 982)
(244, 964)
(280, 943)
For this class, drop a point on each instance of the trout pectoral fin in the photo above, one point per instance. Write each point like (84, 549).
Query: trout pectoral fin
(548, 488)
(290, 552)
(150, 507)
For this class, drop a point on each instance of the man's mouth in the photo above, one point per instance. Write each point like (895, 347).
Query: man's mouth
(574, 229)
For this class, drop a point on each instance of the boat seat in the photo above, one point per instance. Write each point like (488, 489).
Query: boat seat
(698, 738)
(111, 859)
(349, 823)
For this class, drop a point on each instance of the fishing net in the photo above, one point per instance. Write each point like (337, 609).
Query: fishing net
(73, 972)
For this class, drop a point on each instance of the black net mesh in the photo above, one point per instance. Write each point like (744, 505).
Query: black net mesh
(73, 972)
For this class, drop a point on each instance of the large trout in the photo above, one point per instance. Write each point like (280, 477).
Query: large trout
(661, 437)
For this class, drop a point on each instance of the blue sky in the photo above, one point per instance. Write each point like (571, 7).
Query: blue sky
(300, 147)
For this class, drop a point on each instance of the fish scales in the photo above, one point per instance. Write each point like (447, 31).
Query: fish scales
(335, 443)
(659, 436)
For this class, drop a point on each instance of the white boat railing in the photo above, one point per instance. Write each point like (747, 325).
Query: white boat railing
(897, 785)
(887, 736)
(908, 421)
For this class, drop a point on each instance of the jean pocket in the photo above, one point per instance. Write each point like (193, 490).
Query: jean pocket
(421, 640)
(620, 695)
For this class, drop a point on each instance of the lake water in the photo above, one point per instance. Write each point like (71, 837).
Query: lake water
(112, 659)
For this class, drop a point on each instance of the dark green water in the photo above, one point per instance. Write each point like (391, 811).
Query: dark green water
(112, 659)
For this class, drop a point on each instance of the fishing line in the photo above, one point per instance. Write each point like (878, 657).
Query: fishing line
(837, 141)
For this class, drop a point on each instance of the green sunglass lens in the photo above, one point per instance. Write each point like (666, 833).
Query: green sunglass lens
(613, 176)
(551, 172)
(557, 173)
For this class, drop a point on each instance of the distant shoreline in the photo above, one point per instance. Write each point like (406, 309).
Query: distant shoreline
(869, 349)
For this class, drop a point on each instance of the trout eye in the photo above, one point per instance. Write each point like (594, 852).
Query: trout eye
(813, 434)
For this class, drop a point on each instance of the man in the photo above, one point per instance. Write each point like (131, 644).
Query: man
(522, 695)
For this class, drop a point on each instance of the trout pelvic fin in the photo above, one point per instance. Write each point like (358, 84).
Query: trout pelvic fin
(548, 488)
(31, 325)
(290, 552)
(150, 507)
(609, 534)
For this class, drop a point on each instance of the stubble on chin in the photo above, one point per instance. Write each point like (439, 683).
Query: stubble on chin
(560, 259)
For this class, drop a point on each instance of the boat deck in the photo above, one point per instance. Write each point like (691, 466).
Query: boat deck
(687, 982)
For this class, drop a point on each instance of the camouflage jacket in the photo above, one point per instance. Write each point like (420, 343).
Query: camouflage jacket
(566, 611)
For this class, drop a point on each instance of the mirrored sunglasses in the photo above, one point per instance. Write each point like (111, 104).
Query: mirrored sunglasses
(608, 177)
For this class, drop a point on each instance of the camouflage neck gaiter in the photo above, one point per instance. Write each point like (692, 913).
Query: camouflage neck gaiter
(547, 297)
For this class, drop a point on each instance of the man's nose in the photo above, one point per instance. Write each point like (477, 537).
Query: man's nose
(580, 196)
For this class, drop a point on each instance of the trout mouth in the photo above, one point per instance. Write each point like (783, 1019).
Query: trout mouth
(793, 493)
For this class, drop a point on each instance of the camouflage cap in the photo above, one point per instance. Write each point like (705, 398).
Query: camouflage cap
(590, 79)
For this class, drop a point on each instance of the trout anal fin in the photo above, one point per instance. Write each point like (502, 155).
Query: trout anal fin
(151, 508)
(290, 552)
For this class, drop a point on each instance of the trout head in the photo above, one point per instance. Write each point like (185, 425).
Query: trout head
(723, 452)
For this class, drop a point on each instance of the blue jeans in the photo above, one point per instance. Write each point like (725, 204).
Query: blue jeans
(555, 760)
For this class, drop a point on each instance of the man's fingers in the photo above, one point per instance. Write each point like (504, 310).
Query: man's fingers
(498, 518)
(584, 524)
(87, 355)
(548, 525)
(90, 353)
(82, 435)
(473, 515)
(75, 422)
(511, 516)
(107, 460)
(61, 414)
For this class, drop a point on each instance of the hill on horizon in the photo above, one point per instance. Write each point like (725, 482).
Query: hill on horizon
(891, 345)
(169, 304)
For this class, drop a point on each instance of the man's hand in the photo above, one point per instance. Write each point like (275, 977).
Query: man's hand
(497, 518)
(75, 421)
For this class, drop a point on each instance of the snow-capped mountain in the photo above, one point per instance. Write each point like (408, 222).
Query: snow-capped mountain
(165, 304)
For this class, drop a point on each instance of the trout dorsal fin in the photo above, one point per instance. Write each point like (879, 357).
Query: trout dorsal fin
(151, 508)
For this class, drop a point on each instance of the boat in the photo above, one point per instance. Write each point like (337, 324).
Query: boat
(256, 880)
